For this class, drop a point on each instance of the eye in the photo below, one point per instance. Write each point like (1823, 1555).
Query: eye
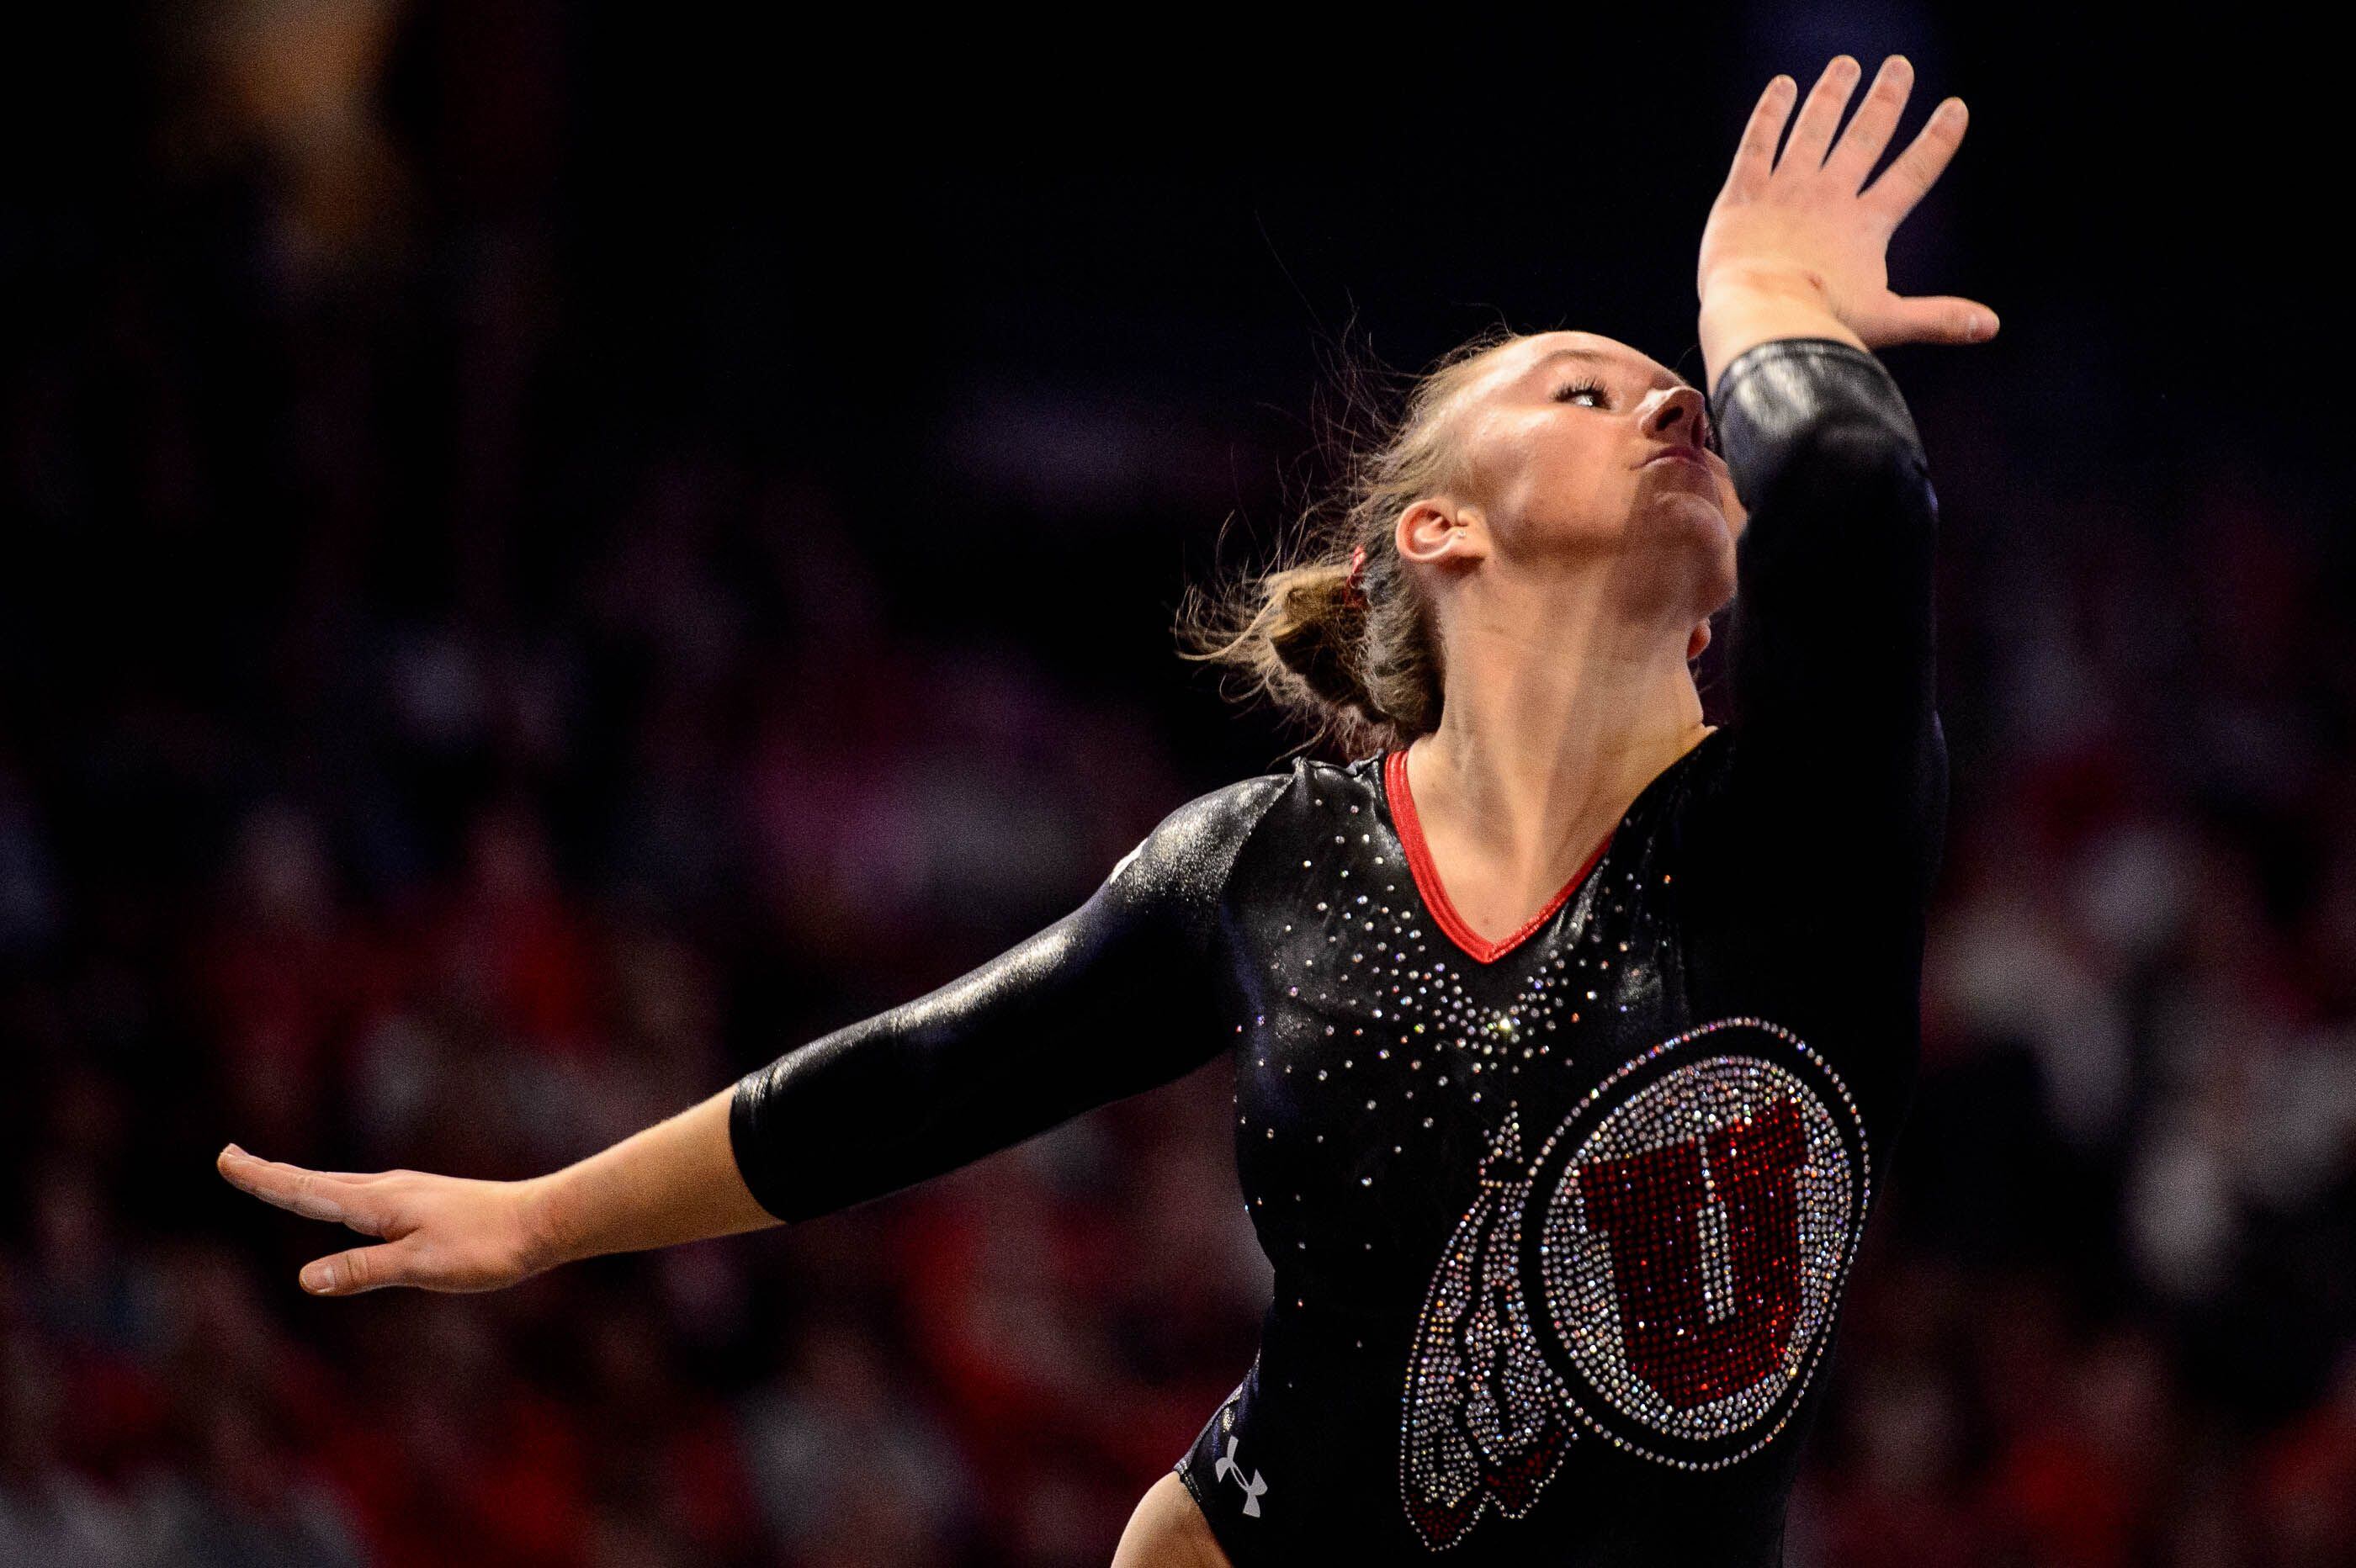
(1709, 436)
(1595, 389)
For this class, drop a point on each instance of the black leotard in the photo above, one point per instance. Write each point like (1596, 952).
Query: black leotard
(1559, 1226)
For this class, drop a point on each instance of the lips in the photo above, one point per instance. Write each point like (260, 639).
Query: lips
(1677, 455)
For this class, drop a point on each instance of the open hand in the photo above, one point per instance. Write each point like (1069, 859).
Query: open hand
(441, 1232)
(1802, 225)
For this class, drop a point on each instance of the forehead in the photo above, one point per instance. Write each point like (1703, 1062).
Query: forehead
(1548, 351)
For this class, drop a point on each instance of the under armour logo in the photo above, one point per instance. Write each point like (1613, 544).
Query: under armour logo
(1252, 1488)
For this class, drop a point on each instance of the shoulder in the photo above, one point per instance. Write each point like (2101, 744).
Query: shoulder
(1198, 845)
(1756, 822)
(1193, 848)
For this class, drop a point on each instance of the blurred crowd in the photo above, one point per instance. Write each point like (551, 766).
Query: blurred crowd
(420, 748)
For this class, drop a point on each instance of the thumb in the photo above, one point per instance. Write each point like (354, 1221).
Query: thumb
(1932, 318)
(362, 1268)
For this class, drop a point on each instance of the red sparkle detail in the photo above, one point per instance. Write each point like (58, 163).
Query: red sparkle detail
(1690, 1348)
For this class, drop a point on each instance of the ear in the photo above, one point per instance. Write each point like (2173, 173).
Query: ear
(1697, 641)
(1436, 531)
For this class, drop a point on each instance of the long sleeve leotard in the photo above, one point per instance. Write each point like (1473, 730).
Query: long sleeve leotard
(1560, 1223)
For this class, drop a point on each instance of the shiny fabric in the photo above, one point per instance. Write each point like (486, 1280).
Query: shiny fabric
(1560, 1229)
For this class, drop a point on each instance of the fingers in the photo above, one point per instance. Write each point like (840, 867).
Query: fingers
(1860, 145)
(347, 1197)
(1933, 318)
(1906, 180)
(361, 1269)
(1754, 155)
(1811, 132)
(316, 1194)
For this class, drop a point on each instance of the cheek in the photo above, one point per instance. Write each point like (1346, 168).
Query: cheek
(1573, 480)
(1728, 502)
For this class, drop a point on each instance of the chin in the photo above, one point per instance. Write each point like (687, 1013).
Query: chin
(1690, 520)
(1686, 550)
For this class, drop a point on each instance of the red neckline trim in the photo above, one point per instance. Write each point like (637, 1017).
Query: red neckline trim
(1427, 876)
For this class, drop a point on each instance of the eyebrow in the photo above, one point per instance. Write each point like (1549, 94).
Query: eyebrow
(1599, 357)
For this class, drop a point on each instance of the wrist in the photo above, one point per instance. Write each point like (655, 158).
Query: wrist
(538, 1212)
(1741, 311)
(1744, 284)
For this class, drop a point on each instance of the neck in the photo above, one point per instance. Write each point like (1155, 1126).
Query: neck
(1545, 741)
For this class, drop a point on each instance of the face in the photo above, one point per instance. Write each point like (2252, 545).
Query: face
(1576, 447)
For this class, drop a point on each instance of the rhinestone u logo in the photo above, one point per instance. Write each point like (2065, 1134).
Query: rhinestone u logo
(1662, 1272)
(1705, 1254)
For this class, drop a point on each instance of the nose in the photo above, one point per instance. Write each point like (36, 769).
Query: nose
(1679, 413)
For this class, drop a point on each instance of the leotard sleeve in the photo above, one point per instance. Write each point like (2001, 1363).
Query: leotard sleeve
(1834, 788)
(1115, 998)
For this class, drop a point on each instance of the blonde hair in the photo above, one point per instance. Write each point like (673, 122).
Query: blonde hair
(1361, 672)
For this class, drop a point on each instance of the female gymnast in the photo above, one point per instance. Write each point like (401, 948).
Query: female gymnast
(1570, 1032)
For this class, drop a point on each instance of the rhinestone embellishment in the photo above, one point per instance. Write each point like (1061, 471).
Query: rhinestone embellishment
(1661, 1275)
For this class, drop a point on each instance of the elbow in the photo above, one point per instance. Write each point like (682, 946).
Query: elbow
(1846, 495)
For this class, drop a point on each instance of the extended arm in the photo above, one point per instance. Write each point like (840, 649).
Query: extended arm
(1113, 998)
(668, 1184)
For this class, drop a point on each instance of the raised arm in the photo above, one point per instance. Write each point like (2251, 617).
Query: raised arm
(1793, 248)
(1831, 657)
(1115, 998)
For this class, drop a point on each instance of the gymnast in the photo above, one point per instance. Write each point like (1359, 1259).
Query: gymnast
(1569, 1032)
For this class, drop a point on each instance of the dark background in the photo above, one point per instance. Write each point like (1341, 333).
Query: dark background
(553, 553)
